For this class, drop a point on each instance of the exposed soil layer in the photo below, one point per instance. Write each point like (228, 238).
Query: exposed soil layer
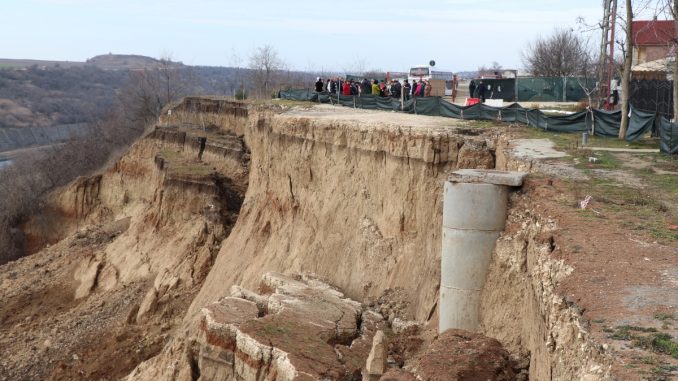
(354, 197)
(131, 248)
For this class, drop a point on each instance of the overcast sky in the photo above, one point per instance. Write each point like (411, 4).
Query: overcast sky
(308, 35)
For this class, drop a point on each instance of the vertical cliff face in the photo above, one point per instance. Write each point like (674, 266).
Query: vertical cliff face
(353, 200)
(521, 307)
(221, 193)
(351, 197)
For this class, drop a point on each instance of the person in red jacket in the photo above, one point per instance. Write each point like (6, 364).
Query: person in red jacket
(346, 88)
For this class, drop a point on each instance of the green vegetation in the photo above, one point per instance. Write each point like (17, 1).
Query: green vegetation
(659, 343)
(625, 332)
(664, 316)
(486, 123)
(566, 141)
(644, 209)
(637, 191)
(658, 369)
(241, 95)
(272, 329)
(646, 338)
(181, 166)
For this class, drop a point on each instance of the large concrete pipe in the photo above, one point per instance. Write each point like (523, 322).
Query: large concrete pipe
(474, 214)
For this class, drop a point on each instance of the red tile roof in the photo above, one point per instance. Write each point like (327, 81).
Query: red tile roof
(653, 32)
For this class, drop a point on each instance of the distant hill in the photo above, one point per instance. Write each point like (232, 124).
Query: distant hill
(10, 63)
(35, 93)
(125, 62)
(105, 62)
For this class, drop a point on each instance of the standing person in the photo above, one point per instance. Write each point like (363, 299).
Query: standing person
(396, 88)
(395, 92)
(319, 85)
(333, 86)
(328, 87)
(615, 91)
(406, 90)
(481, 92)
(422, 88)
(367, 87)
(427, 88)
(346, 88)
(375, 87)
(471, 89)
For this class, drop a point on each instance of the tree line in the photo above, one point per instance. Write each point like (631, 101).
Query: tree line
(567, 52)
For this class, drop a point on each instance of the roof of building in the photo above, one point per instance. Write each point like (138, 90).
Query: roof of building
(653, 32)
(661, 65)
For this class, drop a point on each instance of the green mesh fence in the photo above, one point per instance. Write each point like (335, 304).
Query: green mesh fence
(599, 122)
(551, 89)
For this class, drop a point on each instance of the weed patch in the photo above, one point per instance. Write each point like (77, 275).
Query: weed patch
(646, 338)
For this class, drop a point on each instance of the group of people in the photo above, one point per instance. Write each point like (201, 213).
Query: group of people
(477, 90)
(392, 88)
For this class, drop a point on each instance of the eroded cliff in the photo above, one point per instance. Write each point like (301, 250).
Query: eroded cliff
(220, 193)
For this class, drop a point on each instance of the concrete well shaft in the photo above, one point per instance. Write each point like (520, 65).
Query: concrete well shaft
(474, 214)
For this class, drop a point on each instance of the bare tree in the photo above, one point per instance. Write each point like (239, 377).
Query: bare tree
(494, 66)
(34, 174)
(357, 67)
(148, 90)
(236, 62)
(264, 63)
(559, 55)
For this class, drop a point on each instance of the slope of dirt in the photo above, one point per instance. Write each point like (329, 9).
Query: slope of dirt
(131, 248)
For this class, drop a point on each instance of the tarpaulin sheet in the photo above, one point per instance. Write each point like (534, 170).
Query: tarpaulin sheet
(668, 134)
(471, 112)
(427, 106)
(368, 102)
(606, 123)
(489, 113)
(578, 122)
(603, 123)
(640, 124)
(347, 100)
(450, 110)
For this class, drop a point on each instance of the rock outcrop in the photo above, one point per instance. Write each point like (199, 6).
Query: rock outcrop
(298, 328)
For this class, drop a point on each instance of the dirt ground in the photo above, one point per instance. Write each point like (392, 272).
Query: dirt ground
(45, 333)
(624, 249)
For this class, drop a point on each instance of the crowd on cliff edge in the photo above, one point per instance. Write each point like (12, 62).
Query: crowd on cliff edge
(392, 88)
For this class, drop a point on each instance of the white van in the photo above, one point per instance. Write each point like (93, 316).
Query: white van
(426, 72)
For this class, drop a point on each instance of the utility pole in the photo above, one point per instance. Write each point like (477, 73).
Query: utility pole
(610, 69)
(626, 72)
(606, 57)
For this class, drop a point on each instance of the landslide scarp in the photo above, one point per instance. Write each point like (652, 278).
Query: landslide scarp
(119, 256)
